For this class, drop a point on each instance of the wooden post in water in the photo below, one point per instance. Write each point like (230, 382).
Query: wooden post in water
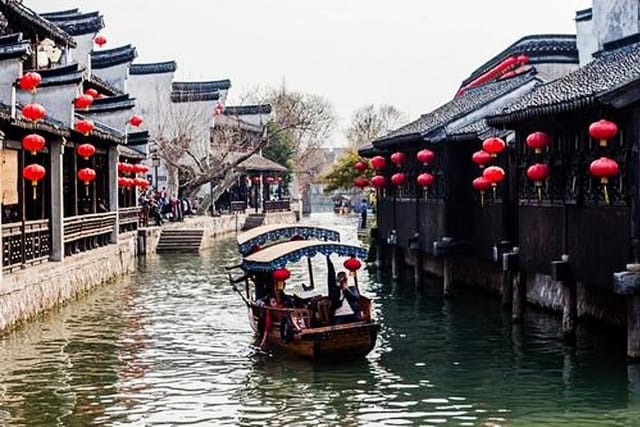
(395, 274)
(519, 296)
(633, 328)
(509, 269)
(561, 272)
(447, 276)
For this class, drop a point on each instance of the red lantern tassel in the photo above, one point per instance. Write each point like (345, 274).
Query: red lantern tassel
(482, 199)
(34, 185)
(86, 188)
(494, 191)
(606, 193)
(539, 188)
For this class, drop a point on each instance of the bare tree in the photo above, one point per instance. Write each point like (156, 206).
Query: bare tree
(370, 122)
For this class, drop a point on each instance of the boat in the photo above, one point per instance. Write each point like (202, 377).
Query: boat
(302, 323)
(265, 235)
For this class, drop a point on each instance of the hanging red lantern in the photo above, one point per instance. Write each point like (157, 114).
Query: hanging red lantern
(86, 175)
(140, 182)
(135, 120)
(86, 150)
(481, 184)
(129, 182)
(353, 265)
(360, 182)
(378, 162)
(33, 143)
(143, 168)
(85, 126)
(398, 158)
(398, 179)
(281, 274)
(124, 167)
(33, 112)
(425, 180)
(378, 181)
(603, 130)
(34, 173)
(604, 168)
(425, 156)
(538, 141)
(91, 92)
(494, 174)
(123, 182)
(83, 101)
(494, 146)
(100, 40)
(30, 81)
(481, 158)
(538, 173)
(360, 166)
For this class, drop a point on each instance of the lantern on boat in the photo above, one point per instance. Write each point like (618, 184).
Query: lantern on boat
(425, 156)
(378, 162)
(538, 141)
(481, 158)
(538, 173)
(481, 184)
(280, 275)
(34, 173)
(603, 130)
(604, 168)
(360, 166)
(353, 264)
(494, 146)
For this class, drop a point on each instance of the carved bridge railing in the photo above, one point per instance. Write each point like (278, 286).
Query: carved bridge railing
(276, 205)
(129, 218)
(87, 232)
(25, 244)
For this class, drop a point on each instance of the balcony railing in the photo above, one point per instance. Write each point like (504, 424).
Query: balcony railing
(129, 218)
(25, 245)
(87, 232)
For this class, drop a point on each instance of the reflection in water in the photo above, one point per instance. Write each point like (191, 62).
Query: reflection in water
(172, 345)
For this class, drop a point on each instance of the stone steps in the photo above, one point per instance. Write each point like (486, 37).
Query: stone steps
(180, 240)
(252, 221)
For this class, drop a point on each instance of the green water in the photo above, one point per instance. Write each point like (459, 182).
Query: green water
(172, 346)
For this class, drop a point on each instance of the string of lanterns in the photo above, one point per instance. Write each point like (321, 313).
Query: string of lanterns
(126, 182)
(491, 175)
(604, 168)
(33, 143)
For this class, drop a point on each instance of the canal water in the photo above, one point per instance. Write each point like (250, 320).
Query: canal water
(172, 346)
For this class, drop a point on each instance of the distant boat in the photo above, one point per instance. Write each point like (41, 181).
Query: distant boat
(303, 323)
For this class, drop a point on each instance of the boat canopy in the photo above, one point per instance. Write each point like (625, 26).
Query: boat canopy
(279, 255)
(266, 234)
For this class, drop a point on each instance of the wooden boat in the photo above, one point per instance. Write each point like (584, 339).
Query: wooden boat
(302, 324)
(266, 235)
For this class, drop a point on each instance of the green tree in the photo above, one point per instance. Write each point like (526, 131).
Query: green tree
(279, 147)
(343, 174)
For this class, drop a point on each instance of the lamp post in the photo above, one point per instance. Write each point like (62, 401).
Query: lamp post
(155, 161)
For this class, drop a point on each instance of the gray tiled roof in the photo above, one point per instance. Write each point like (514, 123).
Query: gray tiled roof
(76, 23)
(153, 68)
(110, 57)
(201, 86)
(609, 70)
(243, 110)
(470, 101)
(15, 10)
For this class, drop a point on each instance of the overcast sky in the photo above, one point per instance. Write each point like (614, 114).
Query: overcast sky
(412, 54)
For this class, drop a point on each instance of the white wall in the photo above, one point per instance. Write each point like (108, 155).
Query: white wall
(116, 75)
(10, 71)
(57, 100)
(82, 52)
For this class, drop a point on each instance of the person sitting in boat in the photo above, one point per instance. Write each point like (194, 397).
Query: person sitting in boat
(345, 301)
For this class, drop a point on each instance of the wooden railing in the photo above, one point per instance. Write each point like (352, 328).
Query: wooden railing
(238, 206)
(86, 232)
(25, 246)
(276, 205)
(129, 218)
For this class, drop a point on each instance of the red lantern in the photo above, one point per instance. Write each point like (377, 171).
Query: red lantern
(378, 181)
(91, 92)
(281, 274)
(398, 179)
(124, 167)
(378, 162)
(425, 156)
(360, 166)
(481, 158)
(86, 151)
(352, 264)
(360, 182)
(34, 173)
(135, 121)
(86, 175)
(538, 141)
(123, 182)
(85, 126)
(33, 142)
(129, 182)
(425, 180)
(30, 81)
(143, 168)
(538, 173)
(100, 40)
(494, 174)
(481, 184)
(604, 168)
(140, 182)
(603, 130)
(33, 112)
(494, 146)
(398, 158)
(83, 101)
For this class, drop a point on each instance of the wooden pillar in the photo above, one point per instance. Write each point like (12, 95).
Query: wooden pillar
(417, 267)
(379, 248)
(519, 296)
(447, 276)
(569, 310)
(509, 268)
(395, 270)
(633, 328)
(112, 187)
(57, 201)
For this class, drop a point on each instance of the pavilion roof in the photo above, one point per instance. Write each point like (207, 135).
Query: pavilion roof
(616, 66)
(153, 68)
(110, 57)
(76, 23)
(256, 163)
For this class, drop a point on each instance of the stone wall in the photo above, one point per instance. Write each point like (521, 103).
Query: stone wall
(27, 293)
